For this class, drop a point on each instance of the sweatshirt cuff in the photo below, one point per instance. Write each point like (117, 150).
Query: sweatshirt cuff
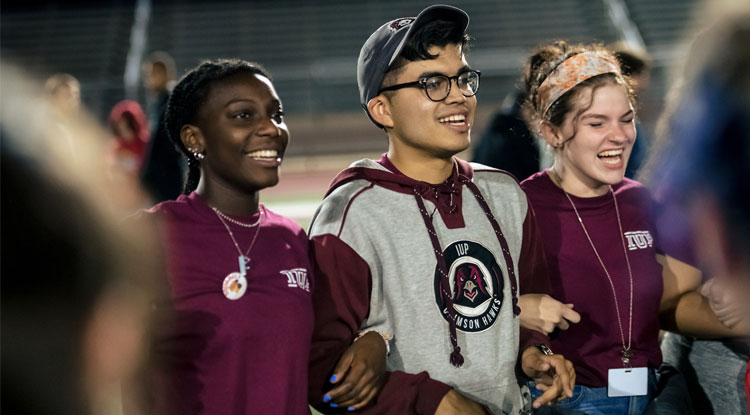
(531, 338)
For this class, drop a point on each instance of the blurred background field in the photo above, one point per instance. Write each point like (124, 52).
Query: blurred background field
(311, 48)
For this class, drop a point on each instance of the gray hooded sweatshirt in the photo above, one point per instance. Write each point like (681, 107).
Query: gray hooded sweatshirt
(407, 258)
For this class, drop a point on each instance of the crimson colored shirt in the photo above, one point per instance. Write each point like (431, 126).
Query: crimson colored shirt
(243, 356)
(594, 345)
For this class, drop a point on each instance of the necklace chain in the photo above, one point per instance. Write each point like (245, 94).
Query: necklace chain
(626, 353)
(236, 222)
(244, 257)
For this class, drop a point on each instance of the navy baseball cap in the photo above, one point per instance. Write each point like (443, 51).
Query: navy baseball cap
(386, 43)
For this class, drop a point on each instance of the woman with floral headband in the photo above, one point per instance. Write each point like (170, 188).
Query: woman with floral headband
(600, 242)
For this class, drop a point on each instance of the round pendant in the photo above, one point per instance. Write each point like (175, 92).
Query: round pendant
(234, 286)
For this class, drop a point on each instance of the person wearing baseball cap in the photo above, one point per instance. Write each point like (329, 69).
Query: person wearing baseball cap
(428, 250)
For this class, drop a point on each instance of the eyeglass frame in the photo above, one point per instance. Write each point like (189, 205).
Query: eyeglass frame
(422, 82)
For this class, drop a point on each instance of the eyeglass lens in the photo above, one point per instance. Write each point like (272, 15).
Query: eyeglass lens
(438, 86)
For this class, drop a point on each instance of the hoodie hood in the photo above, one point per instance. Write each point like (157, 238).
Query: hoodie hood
(445, 196)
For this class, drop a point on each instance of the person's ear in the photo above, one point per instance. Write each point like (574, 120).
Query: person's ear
(380, 110)
(551, 134)
(192, 138)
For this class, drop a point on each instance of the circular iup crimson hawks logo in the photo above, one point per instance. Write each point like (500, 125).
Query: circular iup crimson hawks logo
(476, 284)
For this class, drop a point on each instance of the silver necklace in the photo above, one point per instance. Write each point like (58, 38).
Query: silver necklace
(627, 353)
(244, 260)
(236, 222)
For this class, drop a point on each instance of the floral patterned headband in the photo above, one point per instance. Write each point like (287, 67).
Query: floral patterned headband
(571, 72)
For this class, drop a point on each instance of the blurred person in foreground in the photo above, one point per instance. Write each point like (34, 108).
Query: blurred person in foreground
(164, 169)
(700, 172)
(240, 279)
(429, 249)
(77, 287)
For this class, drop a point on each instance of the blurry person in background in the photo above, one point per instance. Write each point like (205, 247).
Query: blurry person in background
(63, 92)
(126, 151)
(163, 173)
(158, 72)
(635, 65)
(130, 136)
(700, 172)
(77, 287)
(507, 143)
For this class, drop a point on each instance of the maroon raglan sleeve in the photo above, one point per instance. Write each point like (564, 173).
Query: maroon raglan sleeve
(342, 301)
(532, 274)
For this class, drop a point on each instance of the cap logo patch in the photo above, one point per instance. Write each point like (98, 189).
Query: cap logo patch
(398, 24)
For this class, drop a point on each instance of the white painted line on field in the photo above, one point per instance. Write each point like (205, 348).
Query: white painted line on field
(296, 210)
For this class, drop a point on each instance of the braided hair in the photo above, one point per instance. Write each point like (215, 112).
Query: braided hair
(190, 94)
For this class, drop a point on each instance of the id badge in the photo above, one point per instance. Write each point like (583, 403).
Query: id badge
(631, 381)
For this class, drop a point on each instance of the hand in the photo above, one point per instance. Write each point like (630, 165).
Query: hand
(453, 403)
(724, 299)
(543, 313)
(359, 373)
(554, 375)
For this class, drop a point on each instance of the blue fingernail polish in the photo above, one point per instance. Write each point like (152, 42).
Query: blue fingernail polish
(333, 378)
(333, 405)
(351, 408)
(326, 398)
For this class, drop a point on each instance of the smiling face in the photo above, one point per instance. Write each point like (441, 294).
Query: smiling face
(423, 128)
(602, 139)
(241, 130)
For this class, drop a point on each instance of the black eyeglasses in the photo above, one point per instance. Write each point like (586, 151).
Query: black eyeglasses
(438, 87)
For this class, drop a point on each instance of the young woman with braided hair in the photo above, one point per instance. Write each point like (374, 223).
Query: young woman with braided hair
(601, 244)
(240, 276)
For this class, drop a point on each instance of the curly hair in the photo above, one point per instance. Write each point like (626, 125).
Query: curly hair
(543, 62)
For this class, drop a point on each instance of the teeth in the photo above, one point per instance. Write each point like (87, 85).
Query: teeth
(610, 153)
(453, 119)
(264, 154)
